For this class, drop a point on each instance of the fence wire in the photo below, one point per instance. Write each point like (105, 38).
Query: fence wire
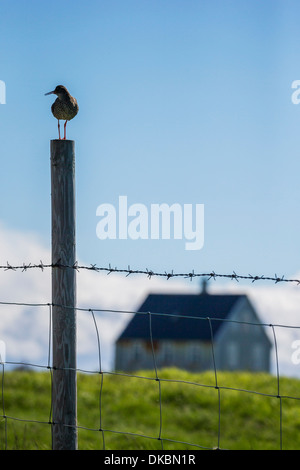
(161, 437)
(149, 272)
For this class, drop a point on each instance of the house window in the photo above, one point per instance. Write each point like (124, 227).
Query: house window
(167, 354)
(246, 318)
(136, 351)
(194, 353)
(257, 357)
(232, 356)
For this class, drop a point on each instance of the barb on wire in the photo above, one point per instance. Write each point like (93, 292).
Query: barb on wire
(8, 267)
(147, 272)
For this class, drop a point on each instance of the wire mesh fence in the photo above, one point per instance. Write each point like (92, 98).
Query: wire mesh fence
(133, 408)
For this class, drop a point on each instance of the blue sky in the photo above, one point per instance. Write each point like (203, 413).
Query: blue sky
(180, 101)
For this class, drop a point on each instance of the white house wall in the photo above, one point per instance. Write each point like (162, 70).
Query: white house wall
(242, 343)
(189, 355)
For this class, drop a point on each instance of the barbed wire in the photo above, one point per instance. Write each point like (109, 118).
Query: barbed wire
(148, 272)
(160, 436)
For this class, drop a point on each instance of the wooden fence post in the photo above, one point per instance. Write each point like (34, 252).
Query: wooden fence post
(64, 383)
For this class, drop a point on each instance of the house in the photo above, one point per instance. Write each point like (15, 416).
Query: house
(182, 327)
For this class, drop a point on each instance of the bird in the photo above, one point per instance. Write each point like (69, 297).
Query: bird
(65, 107)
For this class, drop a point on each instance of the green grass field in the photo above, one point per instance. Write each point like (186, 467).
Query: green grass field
(190, 413)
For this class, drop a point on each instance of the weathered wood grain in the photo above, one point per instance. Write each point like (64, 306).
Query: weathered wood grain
(64, 387)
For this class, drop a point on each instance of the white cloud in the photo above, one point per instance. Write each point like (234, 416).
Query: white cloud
(277, 305)
(25, 329)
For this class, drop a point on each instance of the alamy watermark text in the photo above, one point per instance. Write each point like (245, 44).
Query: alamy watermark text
(2, 92)
(161, 221)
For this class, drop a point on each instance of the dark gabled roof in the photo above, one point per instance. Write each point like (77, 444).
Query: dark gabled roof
(174, 327)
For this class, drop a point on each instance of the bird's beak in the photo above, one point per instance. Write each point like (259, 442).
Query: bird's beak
(50, 93)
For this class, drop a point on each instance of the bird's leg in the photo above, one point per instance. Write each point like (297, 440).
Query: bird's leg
(65, 130)
(58, 129)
